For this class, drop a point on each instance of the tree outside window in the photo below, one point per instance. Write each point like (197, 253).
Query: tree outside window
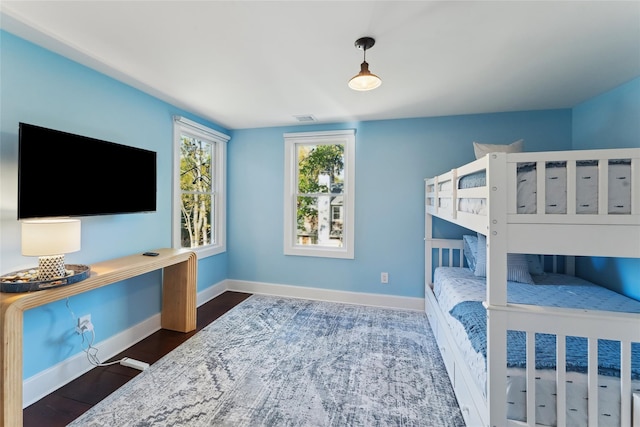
(196, 203)
(319, 193)
(320, 183)
(199, 188)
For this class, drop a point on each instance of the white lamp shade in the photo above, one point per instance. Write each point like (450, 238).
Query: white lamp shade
(364, 80)
(50, 236)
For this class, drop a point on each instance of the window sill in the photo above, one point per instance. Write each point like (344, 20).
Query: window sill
(207, 251)
(341, 253)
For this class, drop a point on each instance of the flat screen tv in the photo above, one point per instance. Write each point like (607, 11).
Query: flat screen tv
(62, 174)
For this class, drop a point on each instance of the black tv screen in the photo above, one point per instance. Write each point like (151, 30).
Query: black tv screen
(62, 174)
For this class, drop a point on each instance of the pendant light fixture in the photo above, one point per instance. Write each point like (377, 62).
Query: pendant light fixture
(364, 80)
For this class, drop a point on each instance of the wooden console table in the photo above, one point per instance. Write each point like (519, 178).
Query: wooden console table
(179, 310)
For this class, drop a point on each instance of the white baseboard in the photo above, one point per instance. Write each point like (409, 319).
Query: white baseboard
(41, 384)
(211, 292)
(49, 380)
(319, 294)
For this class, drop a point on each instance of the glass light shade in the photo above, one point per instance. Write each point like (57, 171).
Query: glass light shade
(364, 80)
(50, 236)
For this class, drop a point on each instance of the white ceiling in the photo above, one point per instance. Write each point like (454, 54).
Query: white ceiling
(246, 64)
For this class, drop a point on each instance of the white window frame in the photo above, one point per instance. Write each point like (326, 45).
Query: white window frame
(183, 126)
(291, 141)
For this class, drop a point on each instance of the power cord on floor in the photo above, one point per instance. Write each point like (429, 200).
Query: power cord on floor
(92, 352)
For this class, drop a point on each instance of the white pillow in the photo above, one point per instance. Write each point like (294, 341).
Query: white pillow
(482, 150)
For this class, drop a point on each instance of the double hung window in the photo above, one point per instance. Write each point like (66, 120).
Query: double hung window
(319, 194)
(199, 221)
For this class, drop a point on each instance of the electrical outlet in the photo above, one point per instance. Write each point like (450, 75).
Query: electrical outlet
(84, 324)
(84, 319)
(384, 277)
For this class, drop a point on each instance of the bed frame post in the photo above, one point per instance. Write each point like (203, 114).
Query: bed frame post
(428, 246)
(497, 288)
(496, 232)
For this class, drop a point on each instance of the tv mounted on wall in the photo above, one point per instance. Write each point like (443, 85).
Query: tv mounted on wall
(62, 174)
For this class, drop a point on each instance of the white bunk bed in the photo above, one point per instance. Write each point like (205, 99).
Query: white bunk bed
(577, 220)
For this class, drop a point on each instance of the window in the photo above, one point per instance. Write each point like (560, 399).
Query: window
(319, 194)
(199, 203)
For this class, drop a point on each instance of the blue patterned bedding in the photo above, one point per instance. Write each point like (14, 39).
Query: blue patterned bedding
(460, 293)
(454, 286)
(552, 290)
(473, 316)
(476, 179)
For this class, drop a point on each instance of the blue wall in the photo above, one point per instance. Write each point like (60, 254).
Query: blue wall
(610, 120)
(42, 88)
(392, 159)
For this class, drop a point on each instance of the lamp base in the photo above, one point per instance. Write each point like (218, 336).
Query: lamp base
(51, 267)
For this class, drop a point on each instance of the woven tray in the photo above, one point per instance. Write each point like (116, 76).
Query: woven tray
(80, 272)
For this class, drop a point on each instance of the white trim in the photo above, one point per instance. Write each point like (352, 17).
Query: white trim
(208, 132)
(331, 295)
(320, 136)
(189, 127)
(45, 382)
(220, 206)
(291, 140)
(211, 292)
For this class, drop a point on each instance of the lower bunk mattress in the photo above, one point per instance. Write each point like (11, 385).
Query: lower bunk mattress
(460, 294)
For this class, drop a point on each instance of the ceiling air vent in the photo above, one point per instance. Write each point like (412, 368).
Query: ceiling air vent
(305, 118)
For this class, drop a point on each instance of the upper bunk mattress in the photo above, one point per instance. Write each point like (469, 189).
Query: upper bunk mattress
(619, 188)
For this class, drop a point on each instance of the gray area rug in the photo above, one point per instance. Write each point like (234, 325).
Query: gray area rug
(288, 362)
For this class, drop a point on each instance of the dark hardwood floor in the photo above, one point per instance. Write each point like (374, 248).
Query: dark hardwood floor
(72, 400)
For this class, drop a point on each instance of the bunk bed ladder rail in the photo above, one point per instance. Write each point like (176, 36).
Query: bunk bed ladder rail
(431, 195)
(448, 253)
(434, 195)
(572, 323)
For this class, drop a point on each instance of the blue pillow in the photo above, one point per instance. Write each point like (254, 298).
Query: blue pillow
(517, 265)
(470, 250)
(535, 265)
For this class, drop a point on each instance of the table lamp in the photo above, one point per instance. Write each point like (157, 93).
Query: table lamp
(50, 239)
